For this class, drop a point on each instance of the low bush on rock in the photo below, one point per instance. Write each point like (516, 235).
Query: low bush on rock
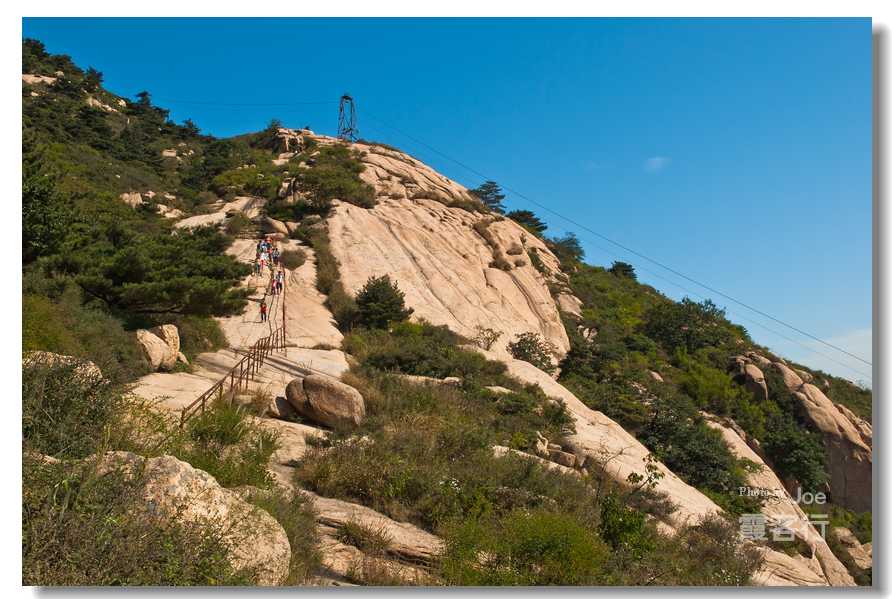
(379, 303)
(525, 548)
(530, 347)
(328, 278)
(224, 443)
(65, 412)
(296, 515)
(292, 259)
(422, 349)
(333, 174)
(199, 334)
(82, 530)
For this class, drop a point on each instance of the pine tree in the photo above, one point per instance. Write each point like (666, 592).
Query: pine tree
(380, 302)
(491, 195)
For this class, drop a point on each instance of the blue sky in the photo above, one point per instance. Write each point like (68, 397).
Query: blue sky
(736, 151)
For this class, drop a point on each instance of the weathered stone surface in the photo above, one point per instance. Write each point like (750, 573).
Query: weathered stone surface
(156, 350)
(326, 400)
(570, 304)
(780, 509)
(84, 368)
(791, 379)
(751, 376)
(271, 225)
(849, 455)
(562, 457)
(499, 390)
(31, 79)
(170, 335)
(781, 570)
(449, 381)
(656, 376)
(132, 199)
(407, 541)
(850, 459)
(247, 205)
(172, 488)
(442, 266)
(854, 555)
(501, 451)
(168, 212)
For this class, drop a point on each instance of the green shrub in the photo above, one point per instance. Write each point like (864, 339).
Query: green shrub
(530, 347)
(795, 452)
(485, 337)
(676, 433)
(328, 278)
(710, 388)
(66, 413)
(199, 334)
(528, 221)
(567, 249)
(248, 180)
(690, 325)
(334, 175)
(237, 223)
(149, 274)
(44, 327)
(623, 269)
(79, 529)
(422, 349)
(223, 443)
(292, 259)
(524, 548)
(380, 302)
(66, 326)
(297, 517)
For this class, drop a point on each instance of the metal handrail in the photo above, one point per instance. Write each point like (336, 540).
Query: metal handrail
(244, 370)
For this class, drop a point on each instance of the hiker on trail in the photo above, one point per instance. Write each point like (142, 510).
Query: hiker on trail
(262, 310)
(280, 280)
(276, 256)
(257, 266)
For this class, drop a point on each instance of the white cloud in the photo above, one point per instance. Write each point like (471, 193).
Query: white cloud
(655, 164)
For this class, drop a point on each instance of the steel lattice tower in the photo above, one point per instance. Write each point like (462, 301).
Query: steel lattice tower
(347, 129)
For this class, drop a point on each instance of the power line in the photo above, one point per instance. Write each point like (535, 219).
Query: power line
(575, 224)
(245, 104)
(623, 247)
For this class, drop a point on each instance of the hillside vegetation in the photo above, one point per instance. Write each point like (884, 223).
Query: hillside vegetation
(449, 442)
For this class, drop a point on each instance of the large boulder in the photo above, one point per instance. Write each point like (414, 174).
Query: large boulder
(850, 459)
(750, 375)
(156, 350)
(780, 509)
(174, 489)
(271, 225)
(849, 456)
(851, 551)
(170, 335)
(326, 400)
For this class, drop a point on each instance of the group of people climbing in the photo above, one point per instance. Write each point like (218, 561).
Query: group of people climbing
(267, 256)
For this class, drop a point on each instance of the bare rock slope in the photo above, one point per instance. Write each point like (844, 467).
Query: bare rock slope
(458, 268)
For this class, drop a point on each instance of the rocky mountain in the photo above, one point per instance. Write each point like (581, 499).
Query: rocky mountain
(525, 389)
